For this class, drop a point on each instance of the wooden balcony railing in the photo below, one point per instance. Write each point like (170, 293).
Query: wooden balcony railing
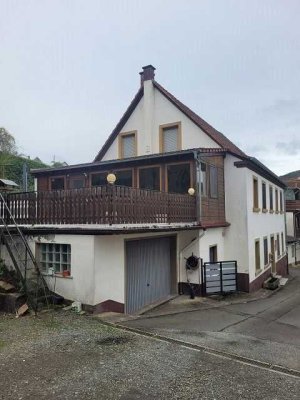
(292, 205)
(105, 205)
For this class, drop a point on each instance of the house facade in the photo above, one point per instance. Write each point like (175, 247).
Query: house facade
(178, 188)
(292, 200)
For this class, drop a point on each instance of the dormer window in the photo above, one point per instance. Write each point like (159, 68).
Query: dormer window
(127, 145)
(170, 137)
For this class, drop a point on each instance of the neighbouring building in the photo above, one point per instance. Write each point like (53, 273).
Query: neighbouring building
(182, 188)
(292, 201)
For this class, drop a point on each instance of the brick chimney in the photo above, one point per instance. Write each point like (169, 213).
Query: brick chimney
(147, 74)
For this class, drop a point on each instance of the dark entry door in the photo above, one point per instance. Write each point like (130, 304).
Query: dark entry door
(148, 271)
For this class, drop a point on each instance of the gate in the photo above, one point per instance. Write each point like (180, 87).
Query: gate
(219, 277)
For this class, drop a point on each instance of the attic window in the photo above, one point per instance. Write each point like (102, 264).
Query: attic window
(170, 137)
(127, 145)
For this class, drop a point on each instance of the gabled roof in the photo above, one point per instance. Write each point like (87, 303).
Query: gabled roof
(217, 136)
(255, 165)
(120, 124)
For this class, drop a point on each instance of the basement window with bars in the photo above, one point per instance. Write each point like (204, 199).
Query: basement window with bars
(55, 256)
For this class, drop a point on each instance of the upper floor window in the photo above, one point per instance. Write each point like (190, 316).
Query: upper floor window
(178, 178)
(124, 177)
(149, 178)
(58, 183)
(213, 181)
(99, 179)
(255, 194)
(276, 201)
(170, 137)
(77, 182)
(281, 201)
(203, 179)
(127, 145)
(264, 195)
(271, 198)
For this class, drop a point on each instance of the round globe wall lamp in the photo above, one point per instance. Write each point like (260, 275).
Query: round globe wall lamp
(111, 178)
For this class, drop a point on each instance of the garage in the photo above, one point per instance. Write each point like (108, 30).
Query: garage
(150, 271)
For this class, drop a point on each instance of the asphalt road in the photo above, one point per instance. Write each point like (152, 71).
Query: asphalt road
(266, 330)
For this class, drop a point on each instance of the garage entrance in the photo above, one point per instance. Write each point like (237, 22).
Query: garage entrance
(149, 274)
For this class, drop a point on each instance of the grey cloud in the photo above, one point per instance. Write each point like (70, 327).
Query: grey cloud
(282, 107)
(291, 148)
(256, 149)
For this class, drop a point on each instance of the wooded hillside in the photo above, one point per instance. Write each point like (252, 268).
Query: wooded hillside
(11, 167)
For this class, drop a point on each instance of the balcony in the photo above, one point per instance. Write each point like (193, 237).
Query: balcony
(292, 205)
(102, 205)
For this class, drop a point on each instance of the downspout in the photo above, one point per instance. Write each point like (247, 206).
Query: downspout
(198, 187)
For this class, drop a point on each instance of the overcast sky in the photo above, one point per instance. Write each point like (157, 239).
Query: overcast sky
(69, 68)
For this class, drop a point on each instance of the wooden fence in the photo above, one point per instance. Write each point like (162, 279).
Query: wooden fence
(106, 205)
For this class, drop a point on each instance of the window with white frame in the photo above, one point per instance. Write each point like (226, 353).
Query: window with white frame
(56, 256)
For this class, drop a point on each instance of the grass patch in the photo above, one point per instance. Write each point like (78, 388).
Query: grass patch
(2, 344)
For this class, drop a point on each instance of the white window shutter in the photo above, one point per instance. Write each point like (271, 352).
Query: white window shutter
(170, 137)
(129, 146)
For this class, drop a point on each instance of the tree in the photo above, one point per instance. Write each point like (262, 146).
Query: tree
(7, 142)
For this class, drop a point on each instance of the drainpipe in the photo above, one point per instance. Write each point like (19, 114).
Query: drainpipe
(200, 235)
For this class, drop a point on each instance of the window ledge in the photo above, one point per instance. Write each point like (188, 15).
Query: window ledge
(256, 209)
(57, 276)
(258, 272)
(271, 211)
(264, 210)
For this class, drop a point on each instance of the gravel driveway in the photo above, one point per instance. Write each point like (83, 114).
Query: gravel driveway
(60, 355)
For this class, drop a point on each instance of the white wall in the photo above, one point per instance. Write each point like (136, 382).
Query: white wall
(236, 235)
(109, 269)
(198, 243)
(154, 110)
(261, 224)
(80, 285)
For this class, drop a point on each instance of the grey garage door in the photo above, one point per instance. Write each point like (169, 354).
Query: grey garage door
(148, 272)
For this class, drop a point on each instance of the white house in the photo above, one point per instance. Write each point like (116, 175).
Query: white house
(182, 188)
